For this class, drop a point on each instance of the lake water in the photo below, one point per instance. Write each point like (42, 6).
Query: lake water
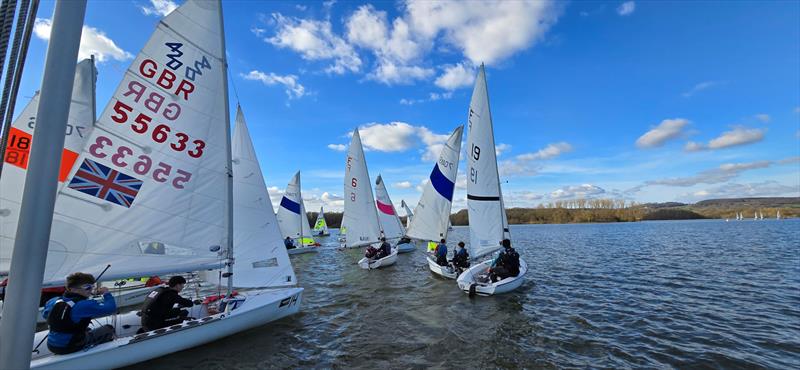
(648, 294)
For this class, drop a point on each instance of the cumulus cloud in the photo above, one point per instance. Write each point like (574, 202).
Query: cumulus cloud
(550, 151)
(93, 42)
(160, 8)
(456, 76)
(434, 96)
(292, 88)
(584, 191)
(389, 137)
(763, 117)
(402, 185)
(700, 87)
(735, 190)
(421, 187)
(314, 40)
(501, 148)
(736, 137)
(626, 8)
(337, 147)
(666, 130)
(717, 175)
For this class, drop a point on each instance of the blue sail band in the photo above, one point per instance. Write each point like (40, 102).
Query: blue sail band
(441, 183)
(290, 205)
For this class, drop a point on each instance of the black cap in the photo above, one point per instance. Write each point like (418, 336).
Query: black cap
(175, 280)
(506, 243)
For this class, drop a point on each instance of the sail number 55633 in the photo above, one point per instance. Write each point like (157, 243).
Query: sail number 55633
(159, 133)
(124, 157)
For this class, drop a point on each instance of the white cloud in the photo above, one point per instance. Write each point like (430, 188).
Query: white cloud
(626, 8)
(700, 87)
(337, 147)
(389, 137)
(421, 187)
(315, 40)
(456, 76)
(396, 74)
(402, 185)
(666, 130)
(584, 191)
(93, 42)
(300, 7)
(516, 168)
(717, 175)
(737, 136)
(433, 143)
(501, 148)
(763, 117)
(434, 96)
(735, 190)
(367, 27)
(293, 88)
(551, 151)
(692, 146)
(160, 8)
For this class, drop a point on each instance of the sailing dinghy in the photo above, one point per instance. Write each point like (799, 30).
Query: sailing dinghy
(170, 183)
(293, 220)
(393, 229)
(360, 217)
(321, 226)
(488, 225)
(432, 215)
(409, 214)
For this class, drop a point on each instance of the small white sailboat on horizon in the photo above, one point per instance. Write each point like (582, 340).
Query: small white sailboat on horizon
(488, 224)
(320, 225)
(360, 216)
(778, 215)
(293, 219)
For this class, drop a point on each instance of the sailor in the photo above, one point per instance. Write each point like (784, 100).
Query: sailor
(384, 250)
(69, 316)
(163, 306)
(506, 264)
(460, 257)
(441, 253)
(371, 252)
(289, 243)
(404, 240)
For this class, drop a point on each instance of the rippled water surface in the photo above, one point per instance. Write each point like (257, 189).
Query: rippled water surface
(649, 294)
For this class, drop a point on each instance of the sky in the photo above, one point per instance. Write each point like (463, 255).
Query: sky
(644, 101)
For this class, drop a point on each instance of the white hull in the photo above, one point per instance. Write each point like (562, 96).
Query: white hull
(406, 247)
(467, 279)
(443, 271)
(302, 250)
(258, 309)
(366, 264)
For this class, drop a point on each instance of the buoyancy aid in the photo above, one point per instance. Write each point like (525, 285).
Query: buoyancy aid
(60, 319)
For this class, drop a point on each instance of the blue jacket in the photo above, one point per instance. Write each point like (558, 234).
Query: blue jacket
(83, 309)
(441, 250)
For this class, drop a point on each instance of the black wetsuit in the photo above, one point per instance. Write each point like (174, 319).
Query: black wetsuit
(159, 309)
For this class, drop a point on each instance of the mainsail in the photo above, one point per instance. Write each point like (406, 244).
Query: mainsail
(360, 218)
(387, 214)
(292, 213)
(149, 189)
(261, 258)
(487, 218)
(409, 214)
(432, 215)
(320, 226)
(79, 126)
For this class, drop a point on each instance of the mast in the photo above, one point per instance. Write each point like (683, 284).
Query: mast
(497, 170)
(41, 183)
(302, 208)
(229, 160)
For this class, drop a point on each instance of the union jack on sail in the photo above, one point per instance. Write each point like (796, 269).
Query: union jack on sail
(103, 182)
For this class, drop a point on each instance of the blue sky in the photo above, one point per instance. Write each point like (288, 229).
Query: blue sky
(647, 101)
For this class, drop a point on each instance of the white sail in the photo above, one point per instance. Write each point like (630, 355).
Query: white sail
(149, 190)
(387, 214)
(79, 126)
(360, 218)
(292, 213)
(409, 214)
(487, 220)
(320, 225)
(778, 215)
(432, 214)
(261, 258)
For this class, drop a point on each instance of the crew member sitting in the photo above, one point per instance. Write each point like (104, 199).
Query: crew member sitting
(69, 316)
(371, 252)
(460, 257)
(506, 264)
(289, 243)
(441, 253)
(384, 250)
(163, 306)
(404, 240)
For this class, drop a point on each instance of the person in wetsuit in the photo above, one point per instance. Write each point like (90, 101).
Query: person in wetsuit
(164, 306)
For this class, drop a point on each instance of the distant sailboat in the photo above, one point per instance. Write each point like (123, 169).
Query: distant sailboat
(760, 215)
(778, 215)
(293, 219)
(409, 214)
(321, 226)
(755, 216)
(392, 228)
(488, 223)
(360, 216)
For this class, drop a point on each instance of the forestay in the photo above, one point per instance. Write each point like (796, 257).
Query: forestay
(360, 218)
(292, 213)
(487, 219)
(79, 126)
(320, 225)
(261, 258)
(432, 215)
(387, 214)
(149, 190)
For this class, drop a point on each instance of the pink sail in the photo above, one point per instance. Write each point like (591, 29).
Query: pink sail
(385, 208)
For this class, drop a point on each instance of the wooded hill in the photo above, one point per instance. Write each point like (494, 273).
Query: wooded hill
(618, 210)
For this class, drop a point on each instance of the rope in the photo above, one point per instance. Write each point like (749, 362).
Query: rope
(235, 92)
(23, 52)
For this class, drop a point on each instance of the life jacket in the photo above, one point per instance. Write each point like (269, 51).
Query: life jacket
(511, 261)
(60, 320)
(147, 306)
(371, 252)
